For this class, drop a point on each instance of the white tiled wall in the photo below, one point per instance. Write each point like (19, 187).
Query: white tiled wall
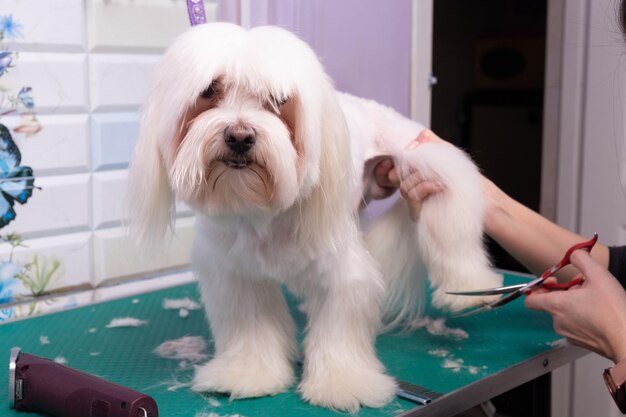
(89, 63)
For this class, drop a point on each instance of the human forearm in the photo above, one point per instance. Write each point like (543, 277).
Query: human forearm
(529, 237)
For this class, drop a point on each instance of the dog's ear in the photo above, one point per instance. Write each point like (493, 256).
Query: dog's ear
(149, 198)
(330, 206)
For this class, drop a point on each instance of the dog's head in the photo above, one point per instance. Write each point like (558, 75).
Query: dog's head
(239, 124)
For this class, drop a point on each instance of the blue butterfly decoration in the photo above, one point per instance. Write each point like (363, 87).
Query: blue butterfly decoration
(25, 97)
(16, 182)
(6, 61)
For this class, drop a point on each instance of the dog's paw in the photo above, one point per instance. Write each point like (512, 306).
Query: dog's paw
(481, 281)
(242, 378)
(348, 389)
(456, 303)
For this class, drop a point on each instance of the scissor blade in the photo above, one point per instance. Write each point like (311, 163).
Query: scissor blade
(490, 291)
(467, 313)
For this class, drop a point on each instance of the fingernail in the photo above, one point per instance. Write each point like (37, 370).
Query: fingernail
(414, 144)
(422, 137)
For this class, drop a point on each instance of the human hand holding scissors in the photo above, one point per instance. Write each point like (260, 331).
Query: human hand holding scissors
(516, 291)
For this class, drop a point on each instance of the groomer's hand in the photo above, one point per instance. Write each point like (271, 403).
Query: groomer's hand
(414, 188)
(592, 315)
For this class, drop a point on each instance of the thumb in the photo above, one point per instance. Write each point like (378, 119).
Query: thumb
(588, 266)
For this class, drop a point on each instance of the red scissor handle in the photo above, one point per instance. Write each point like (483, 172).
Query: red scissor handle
(563, 286)
(583, 245)
(588, 245)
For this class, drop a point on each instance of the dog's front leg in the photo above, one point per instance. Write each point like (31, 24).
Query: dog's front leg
(254, 337)
(341, 370)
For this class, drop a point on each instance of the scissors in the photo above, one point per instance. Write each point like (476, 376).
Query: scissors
(516, 291)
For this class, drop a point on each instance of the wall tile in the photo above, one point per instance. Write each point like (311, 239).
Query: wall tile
(58, 80)
(115, 258)
(61, 205)
(140, 25)
(109, 193)
(73, 250)
(109, 188)
(119, 82)
(61, 147)
(56, 25)
(113, 139)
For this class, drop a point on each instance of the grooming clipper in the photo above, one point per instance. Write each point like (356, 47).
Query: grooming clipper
(40, 385)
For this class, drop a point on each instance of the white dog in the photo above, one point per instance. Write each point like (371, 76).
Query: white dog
(246, 128)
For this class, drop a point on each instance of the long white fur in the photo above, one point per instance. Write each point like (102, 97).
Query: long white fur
(290, 217)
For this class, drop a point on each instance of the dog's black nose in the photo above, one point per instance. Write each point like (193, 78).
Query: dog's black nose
(239, 138)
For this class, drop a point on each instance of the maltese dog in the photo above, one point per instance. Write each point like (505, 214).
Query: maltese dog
(246, 128)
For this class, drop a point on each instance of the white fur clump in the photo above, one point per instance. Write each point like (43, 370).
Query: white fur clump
(437, 327)
(60, 360)
(188, 348)
(44, 340)
(441, 353)
(457, 365)
(180, 303)
(126, 322)
(183, 305)
(213, 402)
(284, 210)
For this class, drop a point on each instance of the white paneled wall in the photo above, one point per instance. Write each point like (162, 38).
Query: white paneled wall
(89, 63)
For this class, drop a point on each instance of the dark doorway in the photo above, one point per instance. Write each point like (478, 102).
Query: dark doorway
(489, 59)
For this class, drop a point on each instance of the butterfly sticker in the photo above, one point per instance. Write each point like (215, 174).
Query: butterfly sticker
(16, 182)
(25, 97)
(6, 61)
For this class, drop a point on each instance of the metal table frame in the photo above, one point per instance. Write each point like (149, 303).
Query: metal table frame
(483, 390)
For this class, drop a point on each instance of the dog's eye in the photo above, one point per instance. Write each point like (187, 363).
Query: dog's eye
(279, 101)
(275, 103)
(209, 92)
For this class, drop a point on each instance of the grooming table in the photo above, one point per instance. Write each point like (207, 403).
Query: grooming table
(505, 348)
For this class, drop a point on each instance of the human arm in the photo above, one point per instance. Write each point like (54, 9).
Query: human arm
(529, 237)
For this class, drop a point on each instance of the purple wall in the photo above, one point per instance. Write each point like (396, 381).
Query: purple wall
(365, 45)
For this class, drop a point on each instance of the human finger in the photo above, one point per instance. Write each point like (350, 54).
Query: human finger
(381, 173)
(424, 190)
(541, 289)
(409, 182)
(393, 177)
(417, 195)
(548, 301)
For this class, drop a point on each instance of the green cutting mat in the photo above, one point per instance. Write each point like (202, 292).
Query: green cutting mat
(497, 340)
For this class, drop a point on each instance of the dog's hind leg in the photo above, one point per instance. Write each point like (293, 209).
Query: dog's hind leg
(392, 241)
(254, 338)
(450, 225)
